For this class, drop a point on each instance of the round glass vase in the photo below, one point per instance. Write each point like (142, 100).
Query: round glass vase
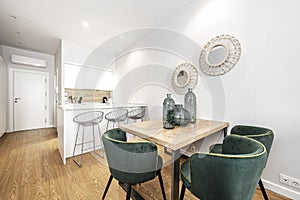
(190, 104)
(168, 112)
(182, 116)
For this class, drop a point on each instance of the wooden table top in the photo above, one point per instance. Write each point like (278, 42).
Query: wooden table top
(176, 138)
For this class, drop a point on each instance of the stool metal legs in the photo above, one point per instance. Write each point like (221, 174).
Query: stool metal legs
(107, 124)
(113, 126)
(79, 163)
(101, 143)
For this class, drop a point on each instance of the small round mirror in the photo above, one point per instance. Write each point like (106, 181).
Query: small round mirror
(217, 55)
(185, 76)
(182, 78)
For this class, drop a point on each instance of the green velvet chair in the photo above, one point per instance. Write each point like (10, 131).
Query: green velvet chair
(263, 135)
(230, 175)
(131, 162)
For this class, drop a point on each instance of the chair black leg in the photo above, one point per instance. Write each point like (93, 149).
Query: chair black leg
(182, 192)
(128, 192)
(262, 188)
(162, 185)
(107, 186)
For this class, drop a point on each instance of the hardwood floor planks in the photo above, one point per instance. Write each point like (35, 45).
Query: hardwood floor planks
(31, 168)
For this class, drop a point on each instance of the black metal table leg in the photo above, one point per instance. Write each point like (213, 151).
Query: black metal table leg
(225, 131)
(175, 175)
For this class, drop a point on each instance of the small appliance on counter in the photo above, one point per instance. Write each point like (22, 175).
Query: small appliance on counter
(105, 100)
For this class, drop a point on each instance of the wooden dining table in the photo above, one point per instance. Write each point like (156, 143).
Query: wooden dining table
(175, 139)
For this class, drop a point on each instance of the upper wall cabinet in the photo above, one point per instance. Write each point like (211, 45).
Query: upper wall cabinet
(81, 77)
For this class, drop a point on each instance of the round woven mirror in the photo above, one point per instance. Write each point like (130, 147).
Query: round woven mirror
(185, 76)
(220, 55)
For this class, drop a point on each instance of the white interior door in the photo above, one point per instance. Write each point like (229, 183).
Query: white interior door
(29, 100)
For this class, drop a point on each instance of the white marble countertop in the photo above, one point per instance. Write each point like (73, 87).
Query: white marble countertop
(88, 106)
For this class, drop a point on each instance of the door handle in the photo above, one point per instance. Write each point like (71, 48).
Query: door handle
(16, 99)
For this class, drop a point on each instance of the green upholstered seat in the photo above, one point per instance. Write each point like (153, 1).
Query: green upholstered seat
(232, 174)
(131, 162)
(261, 134)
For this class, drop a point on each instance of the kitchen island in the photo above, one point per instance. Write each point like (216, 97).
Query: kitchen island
(67, 129)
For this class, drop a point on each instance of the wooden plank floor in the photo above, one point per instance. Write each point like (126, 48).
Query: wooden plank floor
(31, 168)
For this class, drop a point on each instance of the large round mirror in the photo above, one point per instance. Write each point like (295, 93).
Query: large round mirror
(217, 55)
(185, 76)
(220, 55)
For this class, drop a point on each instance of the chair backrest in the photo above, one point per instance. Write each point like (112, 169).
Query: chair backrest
(129, 162)
(117, 115)
(263, 135)
(89, 118)
(138, 113)
(233, 174)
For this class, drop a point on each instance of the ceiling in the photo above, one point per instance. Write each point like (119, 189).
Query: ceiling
(39, 25)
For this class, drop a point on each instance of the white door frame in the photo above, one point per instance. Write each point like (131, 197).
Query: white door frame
(3, 93)
(10, 100)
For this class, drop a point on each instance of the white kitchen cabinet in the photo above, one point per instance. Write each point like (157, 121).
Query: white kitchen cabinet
(106, 82)
(82, 77)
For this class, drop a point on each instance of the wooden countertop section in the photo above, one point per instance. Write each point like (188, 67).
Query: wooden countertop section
(175, 138)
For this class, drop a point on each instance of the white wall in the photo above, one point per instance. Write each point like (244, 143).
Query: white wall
(3, 91)
(262, 89)
(75, 53)
(8, 51)
(144, 76)
(59, 73)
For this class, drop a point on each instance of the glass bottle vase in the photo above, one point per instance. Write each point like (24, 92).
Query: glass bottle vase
(190, 104)
(168, 112)
(182, 116)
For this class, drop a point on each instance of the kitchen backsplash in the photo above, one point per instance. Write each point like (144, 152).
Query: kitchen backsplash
(90, 96)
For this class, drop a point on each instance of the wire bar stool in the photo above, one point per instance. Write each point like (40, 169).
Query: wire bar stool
(87, 119)
(136, 114)
(116, 116)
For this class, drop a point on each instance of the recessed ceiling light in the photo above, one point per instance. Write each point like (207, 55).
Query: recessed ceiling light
(85, 24)
(19, 43)
(12, 16)
(17, 32)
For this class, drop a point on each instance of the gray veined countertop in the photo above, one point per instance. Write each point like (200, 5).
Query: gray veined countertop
(88, 106)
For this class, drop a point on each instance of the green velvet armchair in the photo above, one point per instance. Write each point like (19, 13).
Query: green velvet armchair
(131, 162)
(263, 135)
(232, 174)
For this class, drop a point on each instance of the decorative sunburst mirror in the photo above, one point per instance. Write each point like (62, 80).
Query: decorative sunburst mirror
(220, 55)
(185, 76)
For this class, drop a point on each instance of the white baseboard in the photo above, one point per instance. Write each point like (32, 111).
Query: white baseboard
(47, 126)
(281, 190)
(51, 126)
